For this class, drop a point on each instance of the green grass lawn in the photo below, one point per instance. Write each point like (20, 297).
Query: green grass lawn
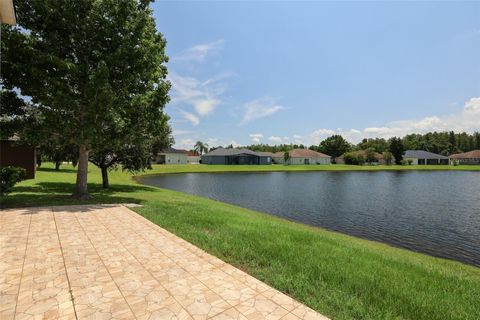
(340, 276)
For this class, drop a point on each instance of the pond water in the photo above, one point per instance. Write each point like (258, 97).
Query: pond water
(434, 212)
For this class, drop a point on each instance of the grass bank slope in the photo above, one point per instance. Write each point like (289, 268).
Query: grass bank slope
(340, 276)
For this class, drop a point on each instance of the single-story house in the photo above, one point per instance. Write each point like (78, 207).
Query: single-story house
(193, 157)
(172, 156)
(422, 157)
(302, 156)
(15, 155)
(235, 156)
(377, 157)
(471, 157)
(268, 155)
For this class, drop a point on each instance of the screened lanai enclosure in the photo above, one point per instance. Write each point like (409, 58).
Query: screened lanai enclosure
(236, 156)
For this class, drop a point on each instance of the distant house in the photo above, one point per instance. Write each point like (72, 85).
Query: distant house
(235, 156)
(193, 157)
(302, 156)
(377, 157)
(18, 156)
(172, 156)
(471, 157)
(422, 157)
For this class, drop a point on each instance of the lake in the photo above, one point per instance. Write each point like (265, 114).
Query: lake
(434, 212)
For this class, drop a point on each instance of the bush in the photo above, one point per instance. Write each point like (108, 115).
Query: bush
(9, 176)
(351, 158)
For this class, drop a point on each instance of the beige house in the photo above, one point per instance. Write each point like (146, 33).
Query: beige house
(302, 156)
(193, 157)
(471, 157)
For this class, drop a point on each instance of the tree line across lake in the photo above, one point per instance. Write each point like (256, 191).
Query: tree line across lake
(444, 143)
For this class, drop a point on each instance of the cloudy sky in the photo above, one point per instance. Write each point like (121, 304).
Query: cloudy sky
(281, 72)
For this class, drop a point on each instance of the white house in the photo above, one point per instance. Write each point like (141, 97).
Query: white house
(172, 156)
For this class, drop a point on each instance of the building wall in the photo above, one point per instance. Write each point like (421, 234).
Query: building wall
(172, 158)
(265, 160)
(278, 160)
(225, 160)
(466, 161)
(311, 161)
(193, 159)
(214, 160)
(17, 156)
(414, 160)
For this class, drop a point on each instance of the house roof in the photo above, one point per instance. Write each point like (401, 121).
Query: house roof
(266, 154)
(172, 150)
(221, 152)
(474, 154)
(192, 153)
(421, 154)
(304, 153)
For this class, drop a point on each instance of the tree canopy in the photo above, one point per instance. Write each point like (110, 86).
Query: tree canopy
(334, 146)
(94, 69)
(396, 148)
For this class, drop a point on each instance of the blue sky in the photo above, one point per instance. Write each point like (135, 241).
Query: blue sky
(281, 72)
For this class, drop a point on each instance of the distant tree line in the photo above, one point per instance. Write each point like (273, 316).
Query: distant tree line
(444, 143)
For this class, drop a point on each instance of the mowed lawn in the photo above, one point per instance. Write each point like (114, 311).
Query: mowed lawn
(340, 276)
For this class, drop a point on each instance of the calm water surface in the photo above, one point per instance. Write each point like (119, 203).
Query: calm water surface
(437, 213)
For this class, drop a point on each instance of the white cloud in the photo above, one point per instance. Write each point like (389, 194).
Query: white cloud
(472, 105)
(468, 120)
(193, 119)
(260, 108)
(256, 137)
(180, 132)
(200, 52)
(187, 142)
(203, 96)
(212, 142)
(234, 144)
(275, 139)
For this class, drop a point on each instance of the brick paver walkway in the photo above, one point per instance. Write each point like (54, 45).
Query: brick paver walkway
(107, 262)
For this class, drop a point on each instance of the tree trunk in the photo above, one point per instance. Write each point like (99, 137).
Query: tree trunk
(57, 165)
(81, 191)
(105, 182)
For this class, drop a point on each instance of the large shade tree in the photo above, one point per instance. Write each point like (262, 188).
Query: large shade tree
(134, 151)
(88, 66)
(334, 146)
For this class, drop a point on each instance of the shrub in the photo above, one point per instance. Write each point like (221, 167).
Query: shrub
(9, 176)
(352, 158)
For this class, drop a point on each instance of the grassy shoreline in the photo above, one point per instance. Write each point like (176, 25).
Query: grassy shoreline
(340, 276)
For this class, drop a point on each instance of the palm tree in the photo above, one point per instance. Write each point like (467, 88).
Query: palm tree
(201, 147)
(286, 157)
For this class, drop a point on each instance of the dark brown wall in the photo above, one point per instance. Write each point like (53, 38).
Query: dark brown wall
(17, 156)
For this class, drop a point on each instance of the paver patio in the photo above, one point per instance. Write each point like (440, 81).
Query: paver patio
(108, 262)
